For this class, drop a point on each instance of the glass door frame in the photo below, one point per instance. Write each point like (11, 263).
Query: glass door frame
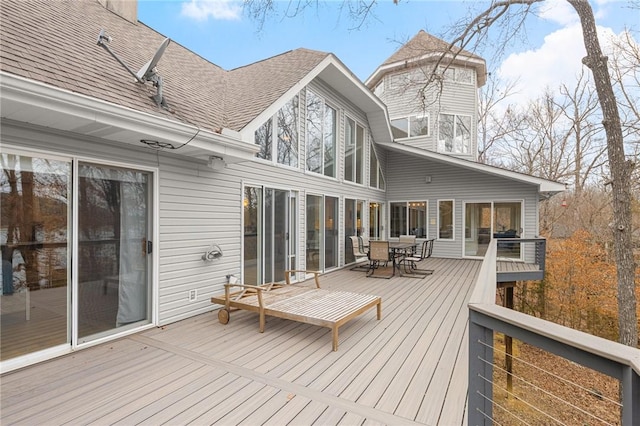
(377, 229)
(291, 211)
(152, 259)
(492, 230)
(72, 254)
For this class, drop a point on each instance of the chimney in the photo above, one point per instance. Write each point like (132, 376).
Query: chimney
(127, 9)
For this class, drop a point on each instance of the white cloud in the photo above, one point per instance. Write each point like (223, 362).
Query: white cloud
(201, 10)
(558, 11)
(557, 61)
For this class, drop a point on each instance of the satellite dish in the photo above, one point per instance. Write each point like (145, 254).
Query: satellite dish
(147, 71)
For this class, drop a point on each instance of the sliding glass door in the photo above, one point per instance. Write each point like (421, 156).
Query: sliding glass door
(322, 232)
(485, 221)
(49, 302)
(113, 249)
(269, 234)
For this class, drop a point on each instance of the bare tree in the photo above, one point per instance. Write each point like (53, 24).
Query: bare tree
(516, 11)
(495, 125)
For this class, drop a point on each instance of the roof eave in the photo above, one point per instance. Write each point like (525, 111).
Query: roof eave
(334, 73)
(546, 187)
(478, 63)
(32, 102)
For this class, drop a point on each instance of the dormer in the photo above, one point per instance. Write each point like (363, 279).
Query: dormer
(443, 117)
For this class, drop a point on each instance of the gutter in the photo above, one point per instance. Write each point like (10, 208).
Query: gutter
(37, 103)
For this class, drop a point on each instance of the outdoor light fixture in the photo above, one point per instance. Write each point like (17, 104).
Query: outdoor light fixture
(216, 163)
(427, 179)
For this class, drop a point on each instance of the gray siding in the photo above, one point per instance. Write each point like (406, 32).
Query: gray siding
(407, 182)
(199, 206)
(402, 98)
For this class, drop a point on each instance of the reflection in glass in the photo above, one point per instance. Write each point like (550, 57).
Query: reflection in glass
(113, 224)
(288, 133)
(314, 231)
(34, 215)
(445, 219)
(252, 206)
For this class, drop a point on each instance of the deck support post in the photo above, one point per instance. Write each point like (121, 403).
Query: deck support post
(480, 372)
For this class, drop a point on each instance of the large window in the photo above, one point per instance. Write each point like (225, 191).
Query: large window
(322, 232)
(445, 220)
(353, 151)
(285, 151)
(321, 136)
(409, 218)
(410, 127)
(376, 180)
(454, 134)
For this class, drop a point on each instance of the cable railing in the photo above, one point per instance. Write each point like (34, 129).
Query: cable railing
(530, 398)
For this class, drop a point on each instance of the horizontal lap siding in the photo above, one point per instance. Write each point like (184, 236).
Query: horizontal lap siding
(407, 175)
(456, 98)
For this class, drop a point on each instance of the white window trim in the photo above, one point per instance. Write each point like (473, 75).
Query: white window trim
(453, 219)
(365, 142)
(408, 117)
(444, 151)
(338, 111)
(406, 203)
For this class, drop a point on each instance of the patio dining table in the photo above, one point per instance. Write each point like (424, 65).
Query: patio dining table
(397, 250)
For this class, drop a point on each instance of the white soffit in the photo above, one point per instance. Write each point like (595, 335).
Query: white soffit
(544, 185)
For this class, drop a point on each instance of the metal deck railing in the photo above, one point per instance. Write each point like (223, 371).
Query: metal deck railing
(486, 318)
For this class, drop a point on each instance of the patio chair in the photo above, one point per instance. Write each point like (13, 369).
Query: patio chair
(408, 239)
(409, 263)
(364, 241)
(378, 256)
(358, 253)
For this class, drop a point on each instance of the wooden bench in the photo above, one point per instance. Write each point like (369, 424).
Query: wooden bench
(297, 302)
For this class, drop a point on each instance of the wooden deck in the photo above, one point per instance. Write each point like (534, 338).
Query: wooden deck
(408, 368)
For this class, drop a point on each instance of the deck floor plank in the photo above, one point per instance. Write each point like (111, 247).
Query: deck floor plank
(407, 368)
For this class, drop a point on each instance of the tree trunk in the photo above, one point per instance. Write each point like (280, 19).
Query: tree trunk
(620, 176)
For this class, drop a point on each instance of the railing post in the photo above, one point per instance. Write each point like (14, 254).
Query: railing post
(480, 373)
(541, 253)
(630, 396)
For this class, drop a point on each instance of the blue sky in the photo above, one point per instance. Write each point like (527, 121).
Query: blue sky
(219, 31)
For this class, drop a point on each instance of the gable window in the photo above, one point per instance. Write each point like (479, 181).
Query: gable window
(353, 151)
(454, 134)
(376, 180)
(410, 126)
(409, 218)
(286, 122)
(321, 136)
(445, 219)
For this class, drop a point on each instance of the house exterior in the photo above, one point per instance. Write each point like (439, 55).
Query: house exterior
(127, 204)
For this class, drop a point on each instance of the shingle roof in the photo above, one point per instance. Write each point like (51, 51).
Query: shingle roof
(254, 87)
(421, 44)
(55, 42)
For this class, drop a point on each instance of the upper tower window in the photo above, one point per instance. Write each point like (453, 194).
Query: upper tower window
(454, 134)
(410, 127)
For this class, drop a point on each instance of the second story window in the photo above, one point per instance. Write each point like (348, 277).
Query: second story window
(454, 134)
(459, 75)
(321, 136)
(376, 180)
(410, 126)
(285, 151)
(353, 151)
